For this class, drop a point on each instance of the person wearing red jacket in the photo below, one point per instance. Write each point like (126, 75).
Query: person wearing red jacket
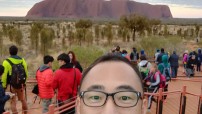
(66, 80)
(44, 76)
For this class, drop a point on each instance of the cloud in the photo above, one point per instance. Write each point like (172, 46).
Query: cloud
(181, 12)
(16, 7)
(14, 12)
(188, 3)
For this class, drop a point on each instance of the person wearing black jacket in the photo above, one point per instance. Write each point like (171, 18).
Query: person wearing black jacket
(134, 55)
(174, 58)
(74, 62)
(199, 59)
(159, 58)
(190, 66)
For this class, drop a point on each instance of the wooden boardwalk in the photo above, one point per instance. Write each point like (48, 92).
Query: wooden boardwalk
(170, 106)
(172, 103)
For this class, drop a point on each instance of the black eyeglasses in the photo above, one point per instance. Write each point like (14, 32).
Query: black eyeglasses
(123, 99)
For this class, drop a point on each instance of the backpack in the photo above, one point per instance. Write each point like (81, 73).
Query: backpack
(185, 58)
(18, 75)
(166, 72)
(134, 56)
(162, 83)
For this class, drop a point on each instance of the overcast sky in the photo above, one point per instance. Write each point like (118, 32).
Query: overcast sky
(179, 8)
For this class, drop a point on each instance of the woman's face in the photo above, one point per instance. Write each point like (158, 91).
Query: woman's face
(70, 56)
(152, 69)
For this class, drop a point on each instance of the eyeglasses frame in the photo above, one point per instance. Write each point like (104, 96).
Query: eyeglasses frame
(81, 94)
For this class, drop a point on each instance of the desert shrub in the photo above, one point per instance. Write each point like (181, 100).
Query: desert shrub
(150, 44)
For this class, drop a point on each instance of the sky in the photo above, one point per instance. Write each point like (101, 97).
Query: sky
(179, 8)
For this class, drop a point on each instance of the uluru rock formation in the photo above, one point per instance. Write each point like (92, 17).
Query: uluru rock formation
(97, 9)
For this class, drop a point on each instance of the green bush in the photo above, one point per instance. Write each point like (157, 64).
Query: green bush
(169, 43)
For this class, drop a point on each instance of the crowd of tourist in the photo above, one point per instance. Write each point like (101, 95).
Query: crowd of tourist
(118, 74)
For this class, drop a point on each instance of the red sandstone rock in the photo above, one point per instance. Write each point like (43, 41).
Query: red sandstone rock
(97, 9)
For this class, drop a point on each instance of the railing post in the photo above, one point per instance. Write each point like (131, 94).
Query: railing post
(183, 100)
(200, 105)
(7, 112)
(160, 102)
(51, 109)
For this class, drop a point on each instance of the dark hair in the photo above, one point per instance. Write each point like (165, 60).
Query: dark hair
(134, 49)
(124, 51)
(64, 57)
(47, 59)
(117, 48)
(13, 50)
(107, 58)
(162, 50)
(73, 57)
(1, 70)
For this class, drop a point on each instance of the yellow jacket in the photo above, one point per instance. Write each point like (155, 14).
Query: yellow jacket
(8, 69)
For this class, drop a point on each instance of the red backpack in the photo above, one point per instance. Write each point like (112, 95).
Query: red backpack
(162, 79)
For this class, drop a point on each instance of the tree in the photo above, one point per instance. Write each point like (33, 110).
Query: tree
(123, 33)
(197, 29)
(165, 30)
(179, 32)
(89, 37)
(134, 23)
(108, 33)
(34, 35)
(47, 36)
(97, 33)
(154, 25)
(12, 34)
(79, 36)
(103, 32)
(83, 26)
(63, 42)
(18, 38)
(15, 35)
(1, 42)
(71, 36)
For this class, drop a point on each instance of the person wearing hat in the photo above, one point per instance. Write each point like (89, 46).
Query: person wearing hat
(66, 81)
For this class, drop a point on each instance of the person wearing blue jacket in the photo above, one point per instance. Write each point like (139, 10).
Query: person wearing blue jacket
(3, 96)
(174, 58)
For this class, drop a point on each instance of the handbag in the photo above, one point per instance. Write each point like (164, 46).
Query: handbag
(35, 90)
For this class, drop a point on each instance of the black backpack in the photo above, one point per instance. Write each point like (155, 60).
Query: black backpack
(18, 75)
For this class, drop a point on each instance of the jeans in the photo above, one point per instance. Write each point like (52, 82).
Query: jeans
(198, 68)
(45, 104)
(174, 72)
